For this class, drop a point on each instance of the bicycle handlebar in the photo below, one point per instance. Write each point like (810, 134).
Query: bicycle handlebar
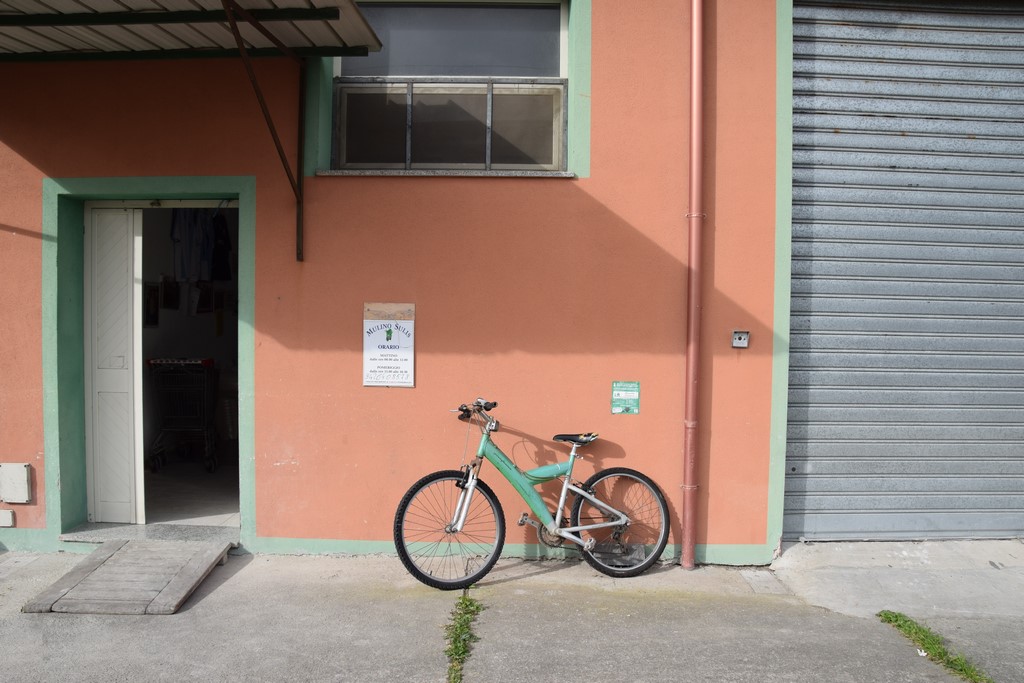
(478, 406)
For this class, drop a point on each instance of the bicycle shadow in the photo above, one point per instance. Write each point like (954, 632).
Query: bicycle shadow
(508, 570)
(544, 451)
(517, 569)
(530, 450)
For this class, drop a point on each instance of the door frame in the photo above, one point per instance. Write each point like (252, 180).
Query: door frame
(138, 490)
(65, 486)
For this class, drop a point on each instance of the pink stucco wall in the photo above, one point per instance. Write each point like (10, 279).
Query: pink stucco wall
(21, 377)
(537, 293)
(106, 120)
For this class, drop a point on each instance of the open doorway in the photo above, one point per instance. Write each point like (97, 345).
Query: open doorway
(190, 365)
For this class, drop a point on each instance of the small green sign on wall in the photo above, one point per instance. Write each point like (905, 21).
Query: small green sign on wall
(625, 398)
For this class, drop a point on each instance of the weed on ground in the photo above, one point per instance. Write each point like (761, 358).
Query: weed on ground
(931, 644)
(459, 636)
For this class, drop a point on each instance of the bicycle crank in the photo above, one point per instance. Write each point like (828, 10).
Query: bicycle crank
(543, 535)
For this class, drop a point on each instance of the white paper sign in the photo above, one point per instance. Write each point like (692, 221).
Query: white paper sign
(389, 344)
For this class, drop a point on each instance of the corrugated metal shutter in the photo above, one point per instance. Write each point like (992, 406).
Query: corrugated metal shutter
(906, 414)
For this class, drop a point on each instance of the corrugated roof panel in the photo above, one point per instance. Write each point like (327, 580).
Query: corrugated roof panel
(203, 35)
(81, 35)
(27, 41)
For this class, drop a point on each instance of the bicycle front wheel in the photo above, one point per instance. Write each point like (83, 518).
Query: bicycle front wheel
(430, 550)
(626, 549)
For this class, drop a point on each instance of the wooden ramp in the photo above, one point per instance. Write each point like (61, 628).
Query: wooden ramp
(132, 577)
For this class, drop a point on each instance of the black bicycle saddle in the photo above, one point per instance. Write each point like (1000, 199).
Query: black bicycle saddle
(578, 439)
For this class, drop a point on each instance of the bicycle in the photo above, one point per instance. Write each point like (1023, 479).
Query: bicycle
(450, 527)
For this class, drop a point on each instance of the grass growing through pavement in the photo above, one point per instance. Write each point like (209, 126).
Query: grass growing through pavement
(459, 635)
(930, 643)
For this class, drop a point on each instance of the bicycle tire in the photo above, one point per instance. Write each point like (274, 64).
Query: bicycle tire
(626, 550)
(439, 558)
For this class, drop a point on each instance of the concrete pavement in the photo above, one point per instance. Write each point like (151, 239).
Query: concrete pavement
(970, 592)
(809, 618)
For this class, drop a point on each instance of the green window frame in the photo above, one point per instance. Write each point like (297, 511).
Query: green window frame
(576, 101)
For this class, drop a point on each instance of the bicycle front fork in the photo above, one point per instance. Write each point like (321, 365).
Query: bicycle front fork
(468, 486)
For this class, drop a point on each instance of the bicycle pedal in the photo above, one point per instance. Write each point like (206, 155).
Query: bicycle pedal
(589, 545)
(525, 519)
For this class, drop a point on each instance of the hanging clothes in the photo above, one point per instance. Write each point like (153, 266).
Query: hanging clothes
(192, 235)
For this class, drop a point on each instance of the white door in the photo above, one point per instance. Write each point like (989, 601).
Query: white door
(113, 349)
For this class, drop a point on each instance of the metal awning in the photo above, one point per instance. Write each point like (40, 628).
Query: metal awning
(47, 30)
(73, 30)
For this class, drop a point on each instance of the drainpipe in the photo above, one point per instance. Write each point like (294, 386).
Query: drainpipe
(693, 290)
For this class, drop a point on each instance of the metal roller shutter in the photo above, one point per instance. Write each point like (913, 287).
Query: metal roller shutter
(906, 415)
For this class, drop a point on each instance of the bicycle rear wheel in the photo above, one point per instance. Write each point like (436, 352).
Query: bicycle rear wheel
(627, 549)
(431, 552)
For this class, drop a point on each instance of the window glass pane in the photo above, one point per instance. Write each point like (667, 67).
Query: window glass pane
(375, 127)
(452, 40)
(523, 128)
(449, 127)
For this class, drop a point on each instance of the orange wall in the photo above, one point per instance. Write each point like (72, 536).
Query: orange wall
(108, 120)
(740, 202)
(537, 293)
(21, 378)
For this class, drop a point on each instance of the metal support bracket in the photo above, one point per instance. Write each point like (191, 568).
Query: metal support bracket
(233, 11)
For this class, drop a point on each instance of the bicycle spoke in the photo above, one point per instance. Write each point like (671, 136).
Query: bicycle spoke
(433, 553)
(628, 549)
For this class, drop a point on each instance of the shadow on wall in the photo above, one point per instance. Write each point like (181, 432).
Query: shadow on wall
(494, 266)
(523, 264)
(593, 269)
(23, 232)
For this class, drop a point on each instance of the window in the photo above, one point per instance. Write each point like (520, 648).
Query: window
(475, 87)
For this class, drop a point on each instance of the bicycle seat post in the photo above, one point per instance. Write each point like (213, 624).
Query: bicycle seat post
(565, 488)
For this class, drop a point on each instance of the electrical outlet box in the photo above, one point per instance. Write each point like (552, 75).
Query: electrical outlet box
(15, 482)
(6, 518)
(740, 339)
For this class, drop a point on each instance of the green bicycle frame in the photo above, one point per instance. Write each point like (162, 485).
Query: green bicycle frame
(524, 482)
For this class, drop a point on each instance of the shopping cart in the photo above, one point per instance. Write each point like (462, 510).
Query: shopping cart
(185, 390)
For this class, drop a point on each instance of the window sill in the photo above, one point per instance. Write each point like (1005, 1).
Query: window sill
(442, 173)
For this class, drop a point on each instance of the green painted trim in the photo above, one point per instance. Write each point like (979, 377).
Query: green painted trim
(39, 541)
(70, 283)
(723, 554)
(155, 187)
(735, 555)
(580, 28)
(63, 372)
(783, 268)
(316, 546)
(62, 320)
(247, 359)
(321, 546)
(536, 551)
(319, 115)
(50, 355)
